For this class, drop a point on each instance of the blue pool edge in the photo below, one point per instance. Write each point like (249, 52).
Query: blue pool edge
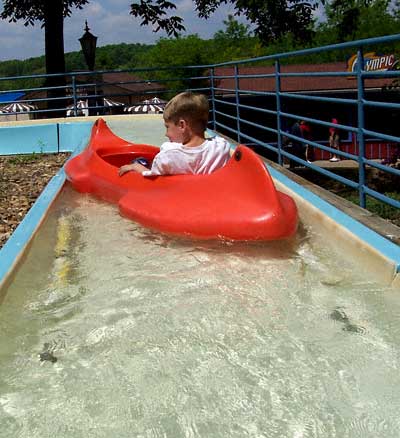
(13, 250)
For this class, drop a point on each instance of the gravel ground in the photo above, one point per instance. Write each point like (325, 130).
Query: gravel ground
(22, 178)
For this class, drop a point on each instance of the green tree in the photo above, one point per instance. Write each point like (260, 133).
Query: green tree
(234, 31)
(115, 56)
(178, 53)
(396, 9)
(377, 20)
(356, 19)
(50, 13)
(235, 42)
(154, 12)
(272, 18)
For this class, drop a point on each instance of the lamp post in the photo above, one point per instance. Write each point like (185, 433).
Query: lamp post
(88, 43)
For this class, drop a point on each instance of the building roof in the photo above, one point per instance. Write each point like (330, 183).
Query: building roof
(295, 83)
(122, 84)
(130, 82)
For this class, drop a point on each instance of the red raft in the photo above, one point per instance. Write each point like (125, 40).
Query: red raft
(238, 201)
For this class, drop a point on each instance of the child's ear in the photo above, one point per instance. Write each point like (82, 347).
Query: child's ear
(182, 123)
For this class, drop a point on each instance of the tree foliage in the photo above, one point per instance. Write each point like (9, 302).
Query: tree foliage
(236, 41)
(177, 53)
(155, 13)
(272, 18)
(35, 10)
(234, 32)
(355, 19)
(50, 13)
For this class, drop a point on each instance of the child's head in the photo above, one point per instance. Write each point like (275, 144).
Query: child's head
(188, 106)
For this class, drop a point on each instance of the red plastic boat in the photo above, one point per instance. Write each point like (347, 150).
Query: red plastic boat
(238, 201)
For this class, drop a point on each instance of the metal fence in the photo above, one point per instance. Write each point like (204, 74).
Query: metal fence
(257, 101)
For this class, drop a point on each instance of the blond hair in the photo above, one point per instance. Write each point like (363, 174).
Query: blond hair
(188, 106)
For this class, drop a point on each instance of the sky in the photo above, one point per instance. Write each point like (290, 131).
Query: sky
(109, 20)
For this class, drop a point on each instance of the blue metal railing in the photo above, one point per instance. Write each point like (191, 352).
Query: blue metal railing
(360, 102)
(257, 113)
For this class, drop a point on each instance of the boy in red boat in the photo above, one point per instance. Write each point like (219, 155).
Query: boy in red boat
(187, 151)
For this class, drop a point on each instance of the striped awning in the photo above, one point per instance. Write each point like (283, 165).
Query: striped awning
(18, 108)
(158, 101)
(81, 107)
(154, 105)
(108, 103)
(81, 104)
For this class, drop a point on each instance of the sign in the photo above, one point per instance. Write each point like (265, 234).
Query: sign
(373, 62)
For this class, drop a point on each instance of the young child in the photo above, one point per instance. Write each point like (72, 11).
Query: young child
(187, 151)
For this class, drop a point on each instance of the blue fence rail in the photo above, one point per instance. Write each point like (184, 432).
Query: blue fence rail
(256, 101)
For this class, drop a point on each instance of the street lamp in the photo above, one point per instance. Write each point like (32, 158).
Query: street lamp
(88, 43)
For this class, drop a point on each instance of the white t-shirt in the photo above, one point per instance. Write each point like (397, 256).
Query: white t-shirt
(176, 159)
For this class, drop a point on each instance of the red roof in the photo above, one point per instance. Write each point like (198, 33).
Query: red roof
(131, 82)
(292, 84)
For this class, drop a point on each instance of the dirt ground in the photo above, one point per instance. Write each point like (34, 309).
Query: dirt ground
(22, 178)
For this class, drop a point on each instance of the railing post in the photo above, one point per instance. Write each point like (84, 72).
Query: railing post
(360, 127)
(236, 70)
(73, 81)
(58, 138)
(214, 122)
(278, 108)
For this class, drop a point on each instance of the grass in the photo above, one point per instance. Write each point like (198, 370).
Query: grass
(381, 209)
(379, 181)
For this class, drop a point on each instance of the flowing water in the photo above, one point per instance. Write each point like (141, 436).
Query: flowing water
(111, 330)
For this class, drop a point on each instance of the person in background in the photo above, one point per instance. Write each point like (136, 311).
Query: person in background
(305, 129)
(293, 146)
(334, 140)
(187, 151)
(394, 156)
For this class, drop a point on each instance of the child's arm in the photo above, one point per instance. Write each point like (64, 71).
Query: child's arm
(137, 167)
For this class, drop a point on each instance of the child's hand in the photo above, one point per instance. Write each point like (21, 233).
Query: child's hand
(134, 166)
(126, 168)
